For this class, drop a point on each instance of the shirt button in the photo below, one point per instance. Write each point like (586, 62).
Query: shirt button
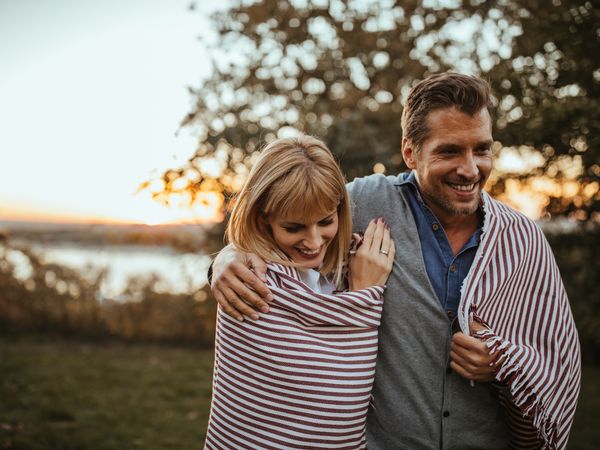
(446, 413)
(453, 268)
(450, 313)
(435, 227)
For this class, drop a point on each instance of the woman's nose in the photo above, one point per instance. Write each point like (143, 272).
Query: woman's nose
(313, 238)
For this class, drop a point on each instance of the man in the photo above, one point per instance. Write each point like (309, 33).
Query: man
(477, 345)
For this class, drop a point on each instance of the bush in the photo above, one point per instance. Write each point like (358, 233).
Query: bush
(55, 299)
(59, 300)
(579, 267)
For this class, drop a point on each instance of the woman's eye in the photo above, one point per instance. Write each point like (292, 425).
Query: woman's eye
(326, 222)
(291, 229)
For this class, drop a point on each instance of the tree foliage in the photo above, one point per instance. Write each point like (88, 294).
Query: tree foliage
(341, 70)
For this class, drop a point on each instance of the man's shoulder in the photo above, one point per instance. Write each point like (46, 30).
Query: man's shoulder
(373, 182)
(509, 217)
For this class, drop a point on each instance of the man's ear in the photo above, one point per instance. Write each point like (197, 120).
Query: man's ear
(408, 153)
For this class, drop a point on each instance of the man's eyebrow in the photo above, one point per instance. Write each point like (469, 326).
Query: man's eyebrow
(487, 143)
(447, 146)
(452, 146)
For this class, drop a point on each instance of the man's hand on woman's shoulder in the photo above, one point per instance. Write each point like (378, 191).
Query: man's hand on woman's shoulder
(238, 283)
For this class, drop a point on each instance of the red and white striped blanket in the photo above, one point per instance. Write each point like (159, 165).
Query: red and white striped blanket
(515, 288)
(301, 376)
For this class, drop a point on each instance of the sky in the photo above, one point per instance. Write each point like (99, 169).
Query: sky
(91, 96)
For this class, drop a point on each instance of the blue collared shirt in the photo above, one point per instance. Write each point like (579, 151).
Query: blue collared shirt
(446, 271)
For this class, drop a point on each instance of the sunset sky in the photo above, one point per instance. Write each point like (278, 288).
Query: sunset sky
(91, 97)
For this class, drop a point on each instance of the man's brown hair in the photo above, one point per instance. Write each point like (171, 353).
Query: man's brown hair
(444, 90)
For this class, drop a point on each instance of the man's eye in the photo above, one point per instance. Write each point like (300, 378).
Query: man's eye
(447, 151)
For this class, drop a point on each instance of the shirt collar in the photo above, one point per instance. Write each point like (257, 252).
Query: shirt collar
(407, 178)
(410, 179)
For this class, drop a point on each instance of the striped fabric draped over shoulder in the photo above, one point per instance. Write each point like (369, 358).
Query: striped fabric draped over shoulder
(300, 377)
(515, 289)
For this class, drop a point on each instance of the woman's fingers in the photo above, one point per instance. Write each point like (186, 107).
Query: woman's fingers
(369, 233)
(378, 236)
(386, 240)
(392, 253)
(372, 262)
(377, 240)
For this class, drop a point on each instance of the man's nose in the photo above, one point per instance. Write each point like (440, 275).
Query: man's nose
(468, 166)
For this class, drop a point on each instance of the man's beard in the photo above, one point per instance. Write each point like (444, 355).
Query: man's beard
(443, 203)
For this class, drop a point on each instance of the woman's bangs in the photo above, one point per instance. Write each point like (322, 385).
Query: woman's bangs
(313, 199)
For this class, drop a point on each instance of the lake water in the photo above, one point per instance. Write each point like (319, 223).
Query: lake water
(178, 272)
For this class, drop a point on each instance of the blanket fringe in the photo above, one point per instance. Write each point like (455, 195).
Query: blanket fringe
(521, 395)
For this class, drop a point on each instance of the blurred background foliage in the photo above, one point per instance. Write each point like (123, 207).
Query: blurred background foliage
(57, 300)
(341, 70)
(60, 301)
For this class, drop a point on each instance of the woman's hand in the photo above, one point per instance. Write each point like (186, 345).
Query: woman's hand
(371, 264)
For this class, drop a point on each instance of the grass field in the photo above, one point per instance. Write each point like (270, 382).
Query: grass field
(68, 395)
(57, 394)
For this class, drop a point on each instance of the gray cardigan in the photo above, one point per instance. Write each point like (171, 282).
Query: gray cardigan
(418, 402)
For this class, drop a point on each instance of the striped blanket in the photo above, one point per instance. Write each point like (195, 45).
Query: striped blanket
(515, 289)
(301, 376)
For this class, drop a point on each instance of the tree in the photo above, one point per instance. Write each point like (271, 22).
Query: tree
(549, 102)
(341, 70)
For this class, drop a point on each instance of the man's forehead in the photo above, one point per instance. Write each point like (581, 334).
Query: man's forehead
(451, 122)
(453, 113)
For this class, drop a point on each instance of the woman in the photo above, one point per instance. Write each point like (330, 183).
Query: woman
(300, 376)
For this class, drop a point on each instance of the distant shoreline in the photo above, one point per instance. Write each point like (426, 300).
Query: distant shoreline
(180, 237)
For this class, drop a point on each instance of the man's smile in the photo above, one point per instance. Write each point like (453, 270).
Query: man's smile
(463, 187)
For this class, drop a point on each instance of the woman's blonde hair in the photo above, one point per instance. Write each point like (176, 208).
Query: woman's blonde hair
(292, 178)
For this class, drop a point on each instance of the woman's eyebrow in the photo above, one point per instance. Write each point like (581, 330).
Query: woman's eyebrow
(328, 216)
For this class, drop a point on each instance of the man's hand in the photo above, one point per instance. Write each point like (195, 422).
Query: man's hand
(238, 283)
(470, 357)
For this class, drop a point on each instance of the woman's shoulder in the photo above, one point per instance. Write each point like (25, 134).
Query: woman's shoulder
(280, 274)
(282, 269)
(290, 278)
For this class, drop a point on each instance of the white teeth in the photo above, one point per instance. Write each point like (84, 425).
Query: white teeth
(463, 187)
(304, 252)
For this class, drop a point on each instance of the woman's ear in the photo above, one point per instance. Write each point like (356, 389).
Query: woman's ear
(263, 222)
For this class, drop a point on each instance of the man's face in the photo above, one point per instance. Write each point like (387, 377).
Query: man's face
(454, 162)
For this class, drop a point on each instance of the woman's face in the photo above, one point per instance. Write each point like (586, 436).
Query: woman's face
(305, 242)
